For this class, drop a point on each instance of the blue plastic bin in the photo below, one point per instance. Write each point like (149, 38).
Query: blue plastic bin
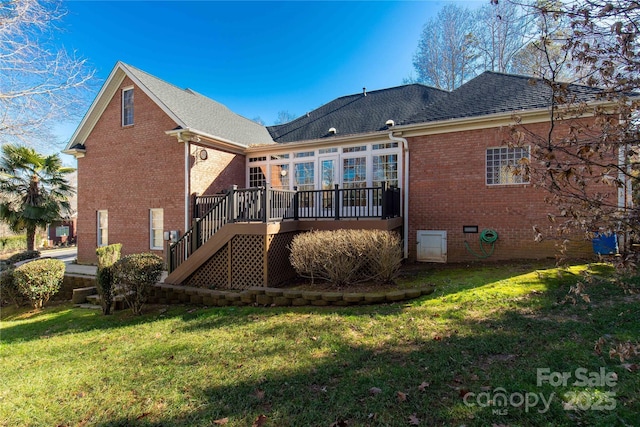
(605, 244)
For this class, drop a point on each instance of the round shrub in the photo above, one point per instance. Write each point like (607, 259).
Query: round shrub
(344, 257)
(9, 289)
(39, 280)
(136, 274)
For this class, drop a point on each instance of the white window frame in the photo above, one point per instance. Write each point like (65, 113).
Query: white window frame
(368, 150)
(152, 230)
(125, 90)
(510, 161)
(99, 239)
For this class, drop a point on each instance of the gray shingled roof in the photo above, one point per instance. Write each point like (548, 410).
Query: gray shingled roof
(356, 114)
(492, 92)
(488, 93)
(201, 113)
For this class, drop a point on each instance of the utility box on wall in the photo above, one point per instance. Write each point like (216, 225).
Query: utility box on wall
(432, 246)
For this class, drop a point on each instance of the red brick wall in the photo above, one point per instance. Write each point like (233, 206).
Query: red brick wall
(128, 171)
(448, 190)
(218, 172)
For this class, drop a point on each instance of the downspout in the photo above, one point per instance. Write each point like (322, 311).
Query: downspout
(405, 208)
(625, 193)
(187, 198)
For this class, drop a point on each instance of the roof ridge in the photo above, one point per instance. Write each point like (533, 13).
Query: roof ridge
(187, 90)
(538, 79)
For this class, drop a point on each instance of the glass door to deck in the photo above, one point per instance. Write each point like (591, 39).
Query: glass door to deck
(328, 181)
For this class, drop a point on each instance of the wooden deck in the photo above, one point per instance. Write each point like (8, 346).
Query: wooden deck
(242, 255)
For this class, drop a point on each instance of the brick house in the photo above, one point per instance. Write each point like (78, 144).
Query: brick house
(154, 158)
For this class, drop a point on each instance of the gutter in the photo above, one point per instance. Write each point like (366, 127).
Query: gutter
(194, 135)
(405, 208)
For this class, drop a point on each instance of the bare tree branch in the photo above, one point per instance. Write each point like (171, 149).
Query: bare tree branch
(40, 84)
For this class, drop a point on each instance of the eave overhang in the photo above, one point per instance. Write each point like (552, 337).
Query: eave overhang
(202, 138)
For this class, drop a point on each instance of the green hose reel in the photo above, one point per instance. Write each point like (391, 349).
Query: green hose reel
(487, 236)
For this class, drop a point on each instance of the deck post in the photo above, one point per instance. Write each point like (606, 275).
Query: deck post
(296, 203)
(336, 203)
(196, 206)
(385, 200)
(232, 204)
(264, 202)
(195, 236)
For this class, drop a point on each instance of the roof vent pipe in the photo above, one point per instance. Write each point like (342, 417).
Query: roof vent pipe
(390, 123)
(364, 91)
(332, 131)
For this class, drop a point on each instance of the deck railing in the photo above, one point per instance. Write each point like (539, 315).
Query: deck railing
(263, 204)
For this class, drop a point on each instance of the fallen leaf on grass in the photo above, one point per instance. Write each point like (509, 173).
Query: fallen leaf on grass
(259, 394)
(222, 421)
(402, 397)
(413, 420)
(260, 421)
(423, 386)
(340, 423)
(375, 390)
(463, 392)
(631, 367)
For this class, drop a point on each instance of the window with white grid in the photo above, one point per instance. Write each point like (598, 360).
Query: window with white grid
(156, 223)
(385, 169)
(127, 106)
(502, 165)
(103, 228)
(280, 176)
(257, 176)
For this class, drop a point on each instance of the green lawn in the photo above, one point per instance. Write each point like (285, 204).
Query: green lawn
(442, 359)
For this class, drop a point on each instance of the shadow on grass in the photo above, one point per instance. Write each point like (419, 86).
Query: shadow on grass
(354, 368)
(66, 319)
(359, 384)
(448, 280)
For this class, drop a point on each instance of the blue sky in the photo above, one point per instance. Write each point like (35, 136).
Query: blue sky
(257, 58)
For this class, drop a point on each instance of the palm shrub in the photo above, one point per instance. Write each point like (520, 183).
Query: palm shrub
(105, 280)
(136, 274)
(9, 289)
(39, 280)
(34, 190)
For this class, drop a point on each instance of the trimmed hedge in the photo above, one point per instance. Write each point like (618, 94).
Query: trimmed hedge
(136, 274)
(108, 255)
(13, 243)
(39, 280)
(344, 257)
(105, 280)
